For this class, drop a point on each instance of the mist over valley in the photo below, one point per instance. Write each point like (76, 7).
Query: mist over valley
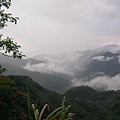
(98, 68)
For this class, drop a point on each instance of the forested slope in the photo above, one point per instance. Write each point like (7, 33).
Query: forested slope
(87, 104)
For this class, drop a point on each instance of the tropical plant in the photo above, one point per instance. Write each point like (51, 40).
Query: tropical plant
(60, 113)
(38, 116)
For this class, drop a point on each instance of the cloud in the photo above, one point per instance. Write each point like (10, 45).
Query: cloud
(100, 83)
(54, 64)
(99, 58)
(47, 68)
(102, 58)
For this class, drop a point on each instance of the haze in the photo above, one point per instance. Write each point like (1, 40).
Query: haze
(57, 26)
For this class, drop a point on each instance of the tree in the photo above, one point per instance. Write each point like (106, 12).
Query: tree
(8, 47)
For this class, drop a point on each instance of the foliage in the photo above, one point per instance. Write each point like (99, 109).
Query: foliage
(90, 104)
(38, 116)
(7, 46)
(87, 104)
(59, 113)
(2, 69)
(6, 17)
(11, 100)
(13, 97)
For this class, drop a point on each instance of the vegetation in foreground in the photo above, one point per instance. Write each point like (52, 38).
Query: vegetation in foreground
(87, 104)
(60, 113)
(16, 101)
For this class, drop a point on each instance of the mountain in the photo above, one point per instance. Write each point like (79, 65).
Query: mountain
(111, 47)
(87, 103)
(63, 71)
(90, 104)
(103, 64)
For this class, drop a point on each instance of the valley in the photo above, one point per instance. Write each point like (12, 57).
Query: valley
(61, 72)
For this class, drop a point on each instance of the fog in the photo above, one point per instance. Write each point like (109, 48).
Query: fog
(100, 83)
(58, 26)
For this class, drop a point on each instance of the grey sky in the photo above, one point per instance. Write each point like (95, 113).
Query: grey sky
(57, 26)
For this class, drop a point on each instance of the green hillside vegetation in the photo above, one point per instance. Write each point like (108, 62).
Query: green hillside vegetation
(13, 97)
(87, 104)
(90, 104)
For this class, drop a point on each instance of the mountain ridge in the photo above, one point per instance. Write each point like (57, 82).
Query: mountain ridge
(68, 69)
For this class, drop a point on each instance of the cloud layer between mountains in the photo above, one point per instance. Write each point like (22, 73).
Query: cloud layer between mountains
(100, 83)
(72, 64)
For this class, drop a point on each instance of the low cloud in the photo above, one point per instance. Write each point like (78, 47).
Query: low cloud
(102, 58)
(47, 68)
(53, 64)
(100, 83)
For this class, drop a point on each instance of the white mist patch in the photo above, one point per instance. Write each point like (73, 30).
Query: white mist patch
(100, 83)
(47, 68)
(54, 64)
(102, 58)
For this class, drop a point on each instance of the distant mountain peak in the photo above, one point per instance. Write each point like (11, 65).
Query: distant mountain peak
(114, 48)
(111, 46)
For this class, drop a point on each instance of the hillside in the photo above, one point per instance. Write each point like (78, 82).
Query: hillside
(90, 104)
(87, 104)
(13, 97)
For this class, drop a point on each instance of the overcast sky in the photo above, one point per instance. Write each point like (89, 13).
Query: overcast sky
(57, 26)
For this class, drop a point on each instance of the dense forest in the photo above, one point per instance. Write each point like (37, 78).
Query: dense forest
(87, 104)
